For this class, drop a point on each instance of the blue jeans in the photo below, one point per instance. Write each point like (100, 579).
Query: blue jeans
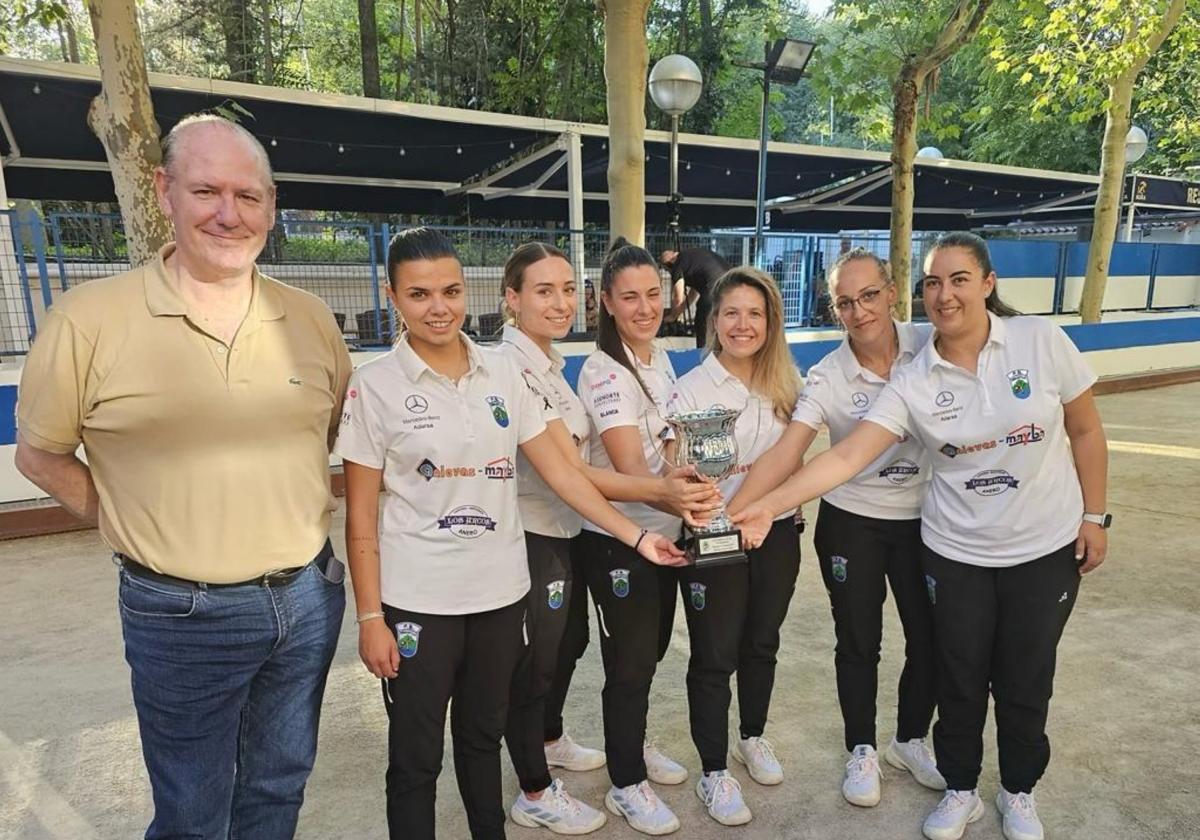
(227, 682)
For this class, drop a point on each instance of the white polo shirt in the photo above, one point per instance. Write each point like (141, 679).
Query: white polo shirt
(838, 393)
(450, 539)
(612, 398)
(542, 511)
(757, 429)
(1004, 489)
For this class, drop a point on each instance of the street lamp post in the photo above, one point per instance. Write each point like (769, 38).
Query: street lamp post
(785, 60)
(1136, 144)
(675, 84)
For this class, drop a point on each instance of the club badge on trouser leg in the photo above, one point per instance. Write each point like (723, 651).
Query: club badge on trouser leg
(705, 439)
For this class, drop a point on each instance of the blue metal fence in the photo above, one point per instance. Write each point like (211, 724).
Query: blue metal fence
(343, 262)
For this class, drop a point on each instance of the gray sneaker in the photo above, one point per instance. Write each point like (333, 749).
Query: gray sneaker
(558, 811)
(1020, 816)
(640, 805)
(950, 818)
(914, 756)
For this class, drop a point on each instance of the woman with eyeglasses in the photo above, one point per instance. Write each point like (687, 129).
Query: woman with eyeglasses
(1001, 404)
(869, 529)
(734, 611)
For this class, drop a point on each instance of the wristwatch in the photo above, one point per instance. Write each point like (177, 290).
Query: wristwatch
(1104, 520)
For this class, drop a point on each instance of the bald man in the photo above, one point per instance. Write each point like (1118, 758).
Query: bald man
(205, 396)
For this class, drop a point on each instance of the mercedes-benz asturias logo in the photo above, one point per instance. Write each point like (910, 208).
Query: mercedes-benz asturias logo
(944, 399)
(859, 399)
(416, 403)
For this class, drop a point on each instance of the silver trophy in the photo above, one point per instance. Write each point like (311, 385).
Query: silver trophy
(705, 439)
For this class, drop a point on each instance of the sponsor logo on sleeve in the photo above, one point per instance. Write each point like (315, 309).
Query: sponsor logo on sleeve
(554, 594)
(499, 411)
(596, 386)
(900, 471)
(991, 482)
(698, 596)
(609, 412)
(620, 582)
(606, 398)
(408, 638)
(467, 522)
(1019, 381)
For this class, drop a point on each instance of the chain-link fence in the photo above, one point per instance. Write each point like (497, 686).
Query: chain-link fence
(344, 263)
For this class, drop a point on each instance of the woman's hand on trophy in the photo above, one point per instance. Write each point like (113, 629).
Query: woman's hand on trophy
(689, 494)
(754, 521)
(661, 551)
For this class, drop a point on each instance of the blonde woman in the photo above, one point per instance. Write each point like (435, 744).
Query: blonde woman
(734, 612)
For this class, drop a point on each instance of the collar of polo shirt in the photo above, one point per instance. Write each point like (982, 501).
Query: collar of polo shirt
(654, 351)
(539, 361)
(907, 338)
(414, 366)
(997, 334)
(717, 371)
(163, 298)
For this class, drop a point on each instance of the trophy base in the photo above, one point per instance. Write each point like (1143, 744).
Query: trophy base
(719, 548)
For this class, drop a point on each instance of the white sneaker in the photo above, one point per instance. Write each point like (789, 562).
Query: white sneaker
(660, 769)
(722, 796)
(861, 783)
(915, 757)
(558, 811)
(949, 819)
(568, 755)
(759, 757)
(1020, 816)
(640, 805)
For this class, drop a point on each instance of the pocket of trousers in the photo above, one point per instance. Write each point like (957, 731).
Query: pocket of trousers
(155, 600)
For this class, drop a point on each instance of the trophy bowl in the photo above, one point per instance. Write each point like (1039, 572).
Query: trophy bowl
(705, 440)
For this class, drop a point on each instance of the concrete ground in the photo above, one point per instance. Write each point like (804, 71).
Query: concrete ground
(1125, 721)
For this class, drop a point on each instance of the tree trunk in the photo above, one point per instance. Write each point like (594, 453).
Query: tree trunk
(964, 22)
(1112, 170)
(368, 38)
(122, 116)
(452, 96)
(400, 52)
(626, 57)
(72, 39)
(415, 80)
(904, 151)
(1107, 212)
(268, 47)
(241, 38)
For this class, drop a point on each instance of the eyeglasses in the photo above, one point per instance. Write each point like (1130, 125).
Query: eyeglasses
(845, 306)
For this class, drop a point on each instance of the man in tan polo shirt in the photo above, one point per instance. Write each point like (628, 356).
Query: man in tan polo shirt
(206, 397)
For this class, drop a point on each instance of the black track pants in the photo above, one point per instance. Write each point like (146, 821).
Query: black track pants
(467, 659)
(859, 557)
(998, 630)
(635, 605)
(574, 643)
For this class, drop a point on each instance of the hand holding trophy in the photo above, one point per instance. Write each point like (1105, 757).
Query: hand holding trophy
(705, 439)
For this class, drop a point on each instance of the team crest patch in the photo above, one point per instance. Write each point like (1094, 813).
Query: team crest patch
(839, 568)
(499, 412)
(620, 582)
(554, 594)
(931, 588)
(1019, 380)
(408, 637)
(698, 596)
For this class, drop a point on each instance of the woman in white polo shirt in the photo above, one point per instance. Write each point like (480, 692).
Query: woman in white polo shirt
(734, 611)
(1014, 515)
(869, 529)
(540, 302)
(624, 387)
(440, 584)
